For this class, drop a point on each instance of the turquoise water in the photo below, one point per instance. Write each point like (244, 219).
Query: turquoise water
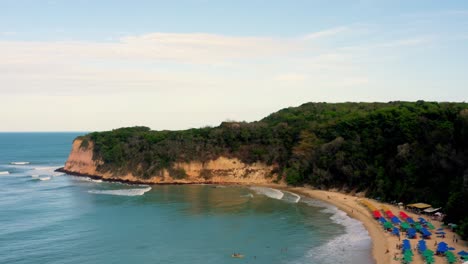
(47, 217)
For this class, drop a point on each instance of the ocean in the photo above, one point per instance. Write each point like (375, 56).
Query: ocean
(50, 217)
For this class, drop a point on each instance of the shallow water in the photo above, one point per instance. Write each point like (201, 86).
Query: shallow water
(71, 219)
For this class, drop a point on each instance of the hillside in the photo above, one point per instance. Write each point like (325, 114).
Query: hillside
(403, 151)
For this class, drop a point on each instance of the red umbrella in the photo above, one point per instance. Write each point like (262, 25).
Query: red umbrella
(403, 215)
(377, 214)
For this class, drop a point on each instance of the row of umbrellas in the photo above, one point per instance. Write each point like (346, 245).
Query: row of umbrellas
(407, 253)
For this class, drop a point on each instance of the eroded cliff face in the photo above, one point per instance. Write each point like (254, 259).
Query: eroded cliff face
(220, 170)
(81, 160)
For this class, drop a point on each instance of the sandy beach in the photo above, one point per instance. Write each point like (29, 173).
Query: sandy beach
(381, 240)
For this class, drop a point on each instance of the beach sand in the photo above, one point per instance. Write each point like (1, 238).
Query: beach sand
(381, 240)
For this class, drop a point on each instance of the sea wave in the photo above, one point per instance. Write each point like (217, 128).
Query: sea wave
(122, 192)
(20, 162)
(47, 168)
(354, 245)
(248, 195)
(44, 178)
(34, 175)
(4, 172)
(270, 192)
(292, 197)
(86, 179)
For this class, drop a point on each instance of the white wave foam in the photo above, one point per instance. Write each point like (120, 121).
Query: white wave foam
(57, 174)
(46, 168)
(4, 172)
(123, 192)
(354, 244)
(86, 179)
(44, 178)
(270, 192)
(248, 195)
(35, 176)
(20, 163)
(297, 198)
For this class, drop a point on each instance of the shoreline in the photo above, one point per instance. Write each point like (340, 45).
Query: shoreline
(379, 245)
(383, 244)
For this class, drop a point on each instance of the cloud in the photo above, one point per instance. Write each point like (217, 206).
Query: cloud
(326, 33)
(180, 61)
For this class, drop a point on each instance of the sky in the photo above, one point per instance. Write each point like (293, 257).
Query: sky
(99, 65)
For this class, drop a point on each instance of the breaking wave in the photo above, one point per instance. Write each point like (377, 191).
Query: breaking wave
(87, 179)
(292, 197)
(20, 163)
(4, 172)
(270, 192)
(122, 192)
(44, 178)
(46, 168)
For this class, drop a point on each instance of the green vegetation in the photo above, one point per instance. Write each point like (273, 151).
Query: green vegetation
(403, 151)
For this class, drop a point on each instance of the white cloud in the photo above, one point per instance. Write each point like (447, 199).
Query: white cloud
(326, 33)
(172, 81)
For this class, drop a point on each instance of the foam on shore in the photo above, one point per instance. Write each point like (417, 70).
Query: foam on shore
(122, 192)
(352, 245)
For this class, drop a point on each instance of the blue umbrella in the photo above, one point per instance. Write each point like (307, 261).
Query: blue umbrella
(463, 253)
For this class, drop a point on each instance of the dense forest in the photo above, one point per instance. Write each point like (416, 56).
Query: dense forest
(397, 151)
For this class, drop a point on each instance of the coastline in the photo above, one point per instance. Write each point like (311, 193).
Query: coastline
(381, 240)
(383, 244)
(350, 206)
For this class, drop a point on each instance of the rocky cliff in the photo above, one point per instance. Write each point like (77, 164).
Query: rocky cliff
(219, 170)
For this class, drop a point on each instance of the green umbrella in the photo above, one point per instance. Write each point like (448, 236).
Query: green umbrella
(428, 252)
(430, 225)
(388, 225)
(408, 253)
(405, 225)
(418, 226)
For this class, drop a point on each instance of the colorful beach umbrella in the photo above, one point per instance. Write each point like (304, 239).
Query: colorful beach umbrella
(388, 225)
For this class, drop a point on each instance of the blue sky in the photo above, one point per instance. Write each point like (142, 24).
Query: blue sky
(98, 65)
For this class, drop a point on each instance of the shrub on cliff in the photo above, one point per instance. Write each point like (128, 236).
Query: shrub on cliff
(405, 151)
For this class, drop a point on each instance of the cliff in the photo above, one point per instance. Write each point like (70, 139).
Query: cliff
(220, 170)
